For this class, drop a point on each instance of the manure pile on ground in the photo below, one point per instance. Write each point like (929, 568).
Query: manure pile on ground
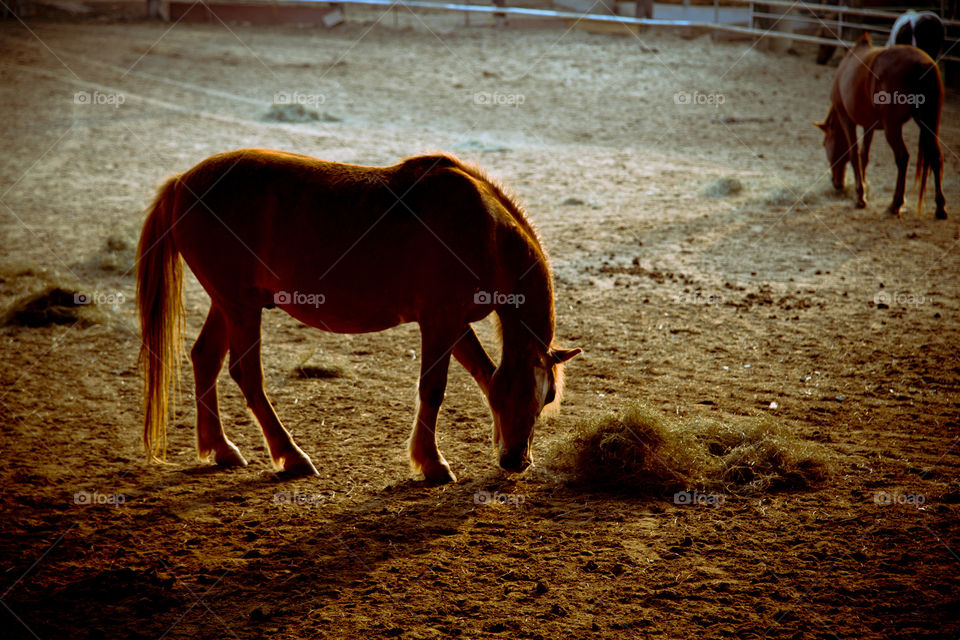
(642, 450)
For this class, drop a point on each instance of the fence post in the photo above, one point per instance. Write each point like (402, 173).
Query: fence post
(716, 19)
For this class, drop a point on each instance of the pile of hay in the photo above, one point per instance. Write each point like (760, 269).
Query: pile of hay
(724, 187)
(326, 370)
(51, 305)
(297, 113)
(641, 450)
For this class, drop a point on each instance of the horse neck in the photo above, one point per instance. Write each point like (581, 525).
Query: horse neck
(527, 327)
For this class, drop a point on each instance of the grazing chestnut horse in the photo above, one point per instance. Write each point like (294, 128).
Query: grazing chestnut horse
(348, 249)
(882, 88)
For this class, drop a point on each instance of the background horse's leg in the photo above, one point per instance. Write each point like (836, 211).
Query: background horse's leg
(207, 354)
(936, 163)
(895, 140)
(247, 370)
(470, 353)
(434, 363)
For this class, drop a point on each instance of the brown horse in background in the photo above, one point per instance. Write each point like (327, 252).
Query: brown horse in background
(348, 249)
(882, 88)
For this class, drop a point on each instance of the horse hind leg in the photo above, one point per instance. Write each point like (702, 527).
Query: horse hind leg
(895, 140)
(207, 355)
(247, 370)
(865, 151)
(933, 159)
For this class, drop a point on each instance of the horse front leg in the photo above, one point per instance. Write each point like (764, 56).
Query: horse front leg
(895, 140)
(850, 130)
(470, 353)
(425, 457)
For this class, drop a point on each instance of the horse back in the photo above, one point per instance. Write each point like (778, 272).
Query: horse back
(424, 230)
(880, 87)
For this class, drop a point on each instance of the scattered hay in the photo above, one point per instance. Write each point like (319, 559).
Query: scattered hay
(481, 146)
(309, 371)
(51, 305)
(795, 197)
(642, 450)
(119, 255)
(723, 187)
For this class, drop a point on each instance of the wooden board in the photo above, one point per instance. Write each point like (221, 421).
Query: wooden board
(327, 15)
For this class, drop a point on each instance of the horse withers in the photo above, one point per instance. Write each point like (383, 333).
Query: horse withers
(883, 88)
(348, 249)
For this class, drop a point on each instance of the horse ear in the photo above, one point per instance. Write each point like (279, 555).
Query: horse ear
(864, 39)
(822, 125)
(559, 356)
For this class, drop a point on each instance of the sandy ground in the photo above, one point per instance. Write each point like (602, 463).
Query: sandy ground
(693, 302)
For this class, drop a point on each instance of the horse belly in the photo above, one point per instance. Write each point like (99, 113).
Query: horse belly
(353, 306)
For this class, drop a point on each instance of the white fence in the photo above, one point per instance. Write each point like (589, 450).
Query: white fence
(836, 19)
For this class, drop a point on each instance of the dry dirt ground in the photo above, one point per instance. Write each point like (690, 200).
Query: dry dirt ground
(687, 296)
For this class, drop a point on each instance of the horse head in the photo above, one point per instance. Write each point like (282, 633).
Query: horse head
(835, 142)
(520, 389)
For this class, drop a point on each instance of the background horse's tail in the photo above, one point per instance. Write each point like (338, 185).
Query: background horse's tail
(160, 305)
(929, 100)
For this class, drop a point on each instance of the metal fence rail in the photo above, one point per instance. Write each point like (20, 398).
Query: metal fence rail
(833, 18)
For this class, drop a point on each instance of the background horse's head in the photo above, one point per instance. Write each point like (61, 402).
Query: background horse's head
(835, 142)
(519, 392)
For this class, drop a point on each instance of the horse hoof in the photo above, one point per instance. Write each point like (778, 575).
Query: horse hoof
(229, 456)
(861, 204)
(439, 474)
(295, 465)
(894, 211)
(941, 214)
